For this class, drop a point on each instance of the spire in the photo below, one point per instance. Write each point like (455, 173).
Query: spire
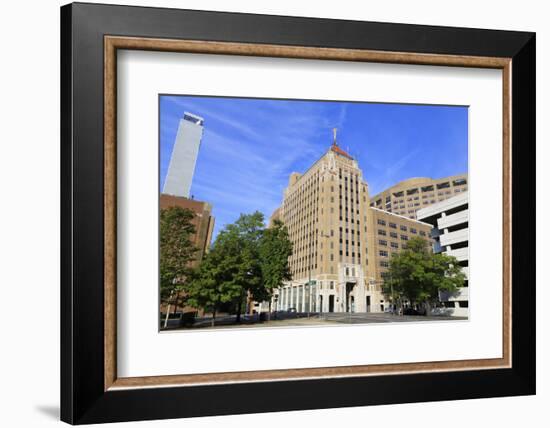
(335, 148)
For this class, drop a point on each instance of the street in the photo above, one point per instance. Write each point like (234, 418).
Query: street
(285, 319)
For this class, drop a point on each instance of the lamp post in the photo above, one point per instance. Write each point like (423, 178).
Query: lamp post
(392, 295)
(375, 282)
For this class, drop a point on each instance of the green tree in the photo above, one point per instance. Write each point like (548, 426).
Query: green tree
(212, 284)
(244, 237)
(231, 272)
(176, 251)
(418, 275)
(275, 249)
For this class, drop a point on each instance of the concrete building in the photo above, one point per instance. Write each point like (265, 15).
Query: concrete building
(184, 156)
(451, 234)
(408, 196)
(275, 216)
(326, 211)
(390, 234)
(203, 221)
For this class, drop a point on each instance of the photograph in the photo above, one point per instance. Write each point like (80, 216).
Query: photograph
(298, 213)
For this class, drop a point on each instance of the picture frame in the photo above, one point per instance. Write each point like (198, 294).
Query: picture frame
(91, 35)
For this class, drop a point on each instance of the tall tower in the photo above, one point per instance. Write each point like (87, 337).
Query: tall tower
(184, 156)
(325, 212)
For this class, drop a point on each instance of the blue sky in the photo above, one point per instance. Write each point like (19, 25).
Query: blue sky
(250, 146)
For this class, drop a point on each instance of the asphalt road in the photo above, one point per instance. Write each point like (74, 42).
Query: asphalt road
(302, 320)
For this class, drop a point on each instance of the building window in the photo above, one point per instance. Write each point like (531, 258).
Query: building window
(393, 234)
(383, 253)
(403, 228)
(393, 225)
(413, 230)
(422, 233)
(381, 232)
(381, 222)
(384, 263)
(394, 244)
(383, 243)
(404, 237)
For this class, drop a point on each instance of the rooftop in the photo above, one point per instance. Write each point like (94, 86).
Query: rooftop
(197, 120)
(339, 151)
(334, 148)
(418, 181)
(400, 216)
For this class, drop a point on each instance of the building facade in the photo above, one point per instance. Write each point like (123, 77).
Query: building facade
(275, 216)
(390, 234)
(335, 253)
(203, 221)
(408, 196)
(450, 232)
(184, 156)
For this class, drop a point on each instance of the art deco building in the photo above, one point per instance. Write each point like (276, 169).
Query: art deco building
(408, 196)
(335, 264)
(184, 156)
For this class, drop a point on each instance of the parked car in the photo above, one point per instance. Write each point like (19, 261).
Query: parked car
(413, 311)
(291, 310)
(188, 319)
(179, 319)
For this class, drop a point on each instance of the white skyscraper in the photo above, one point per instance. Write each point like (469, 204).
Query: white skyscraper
(184, 156)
